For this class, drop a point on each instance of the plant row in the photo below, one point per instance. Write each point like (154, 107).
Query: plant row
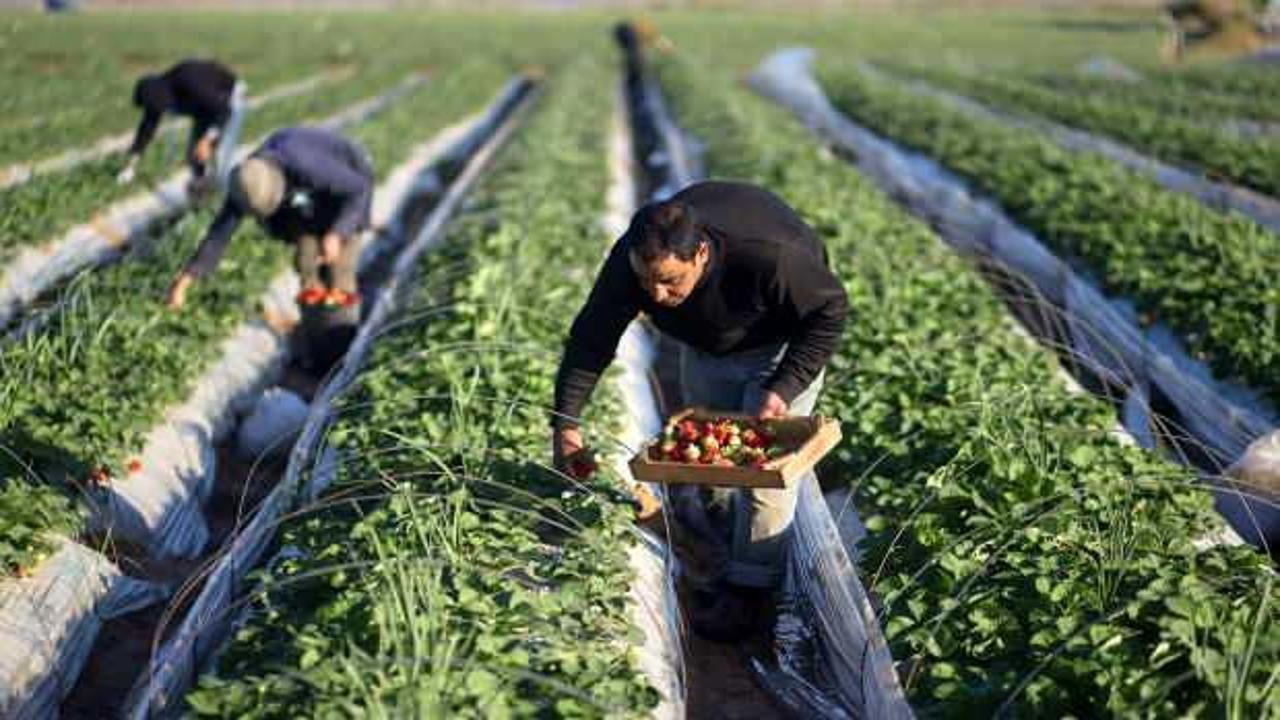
(1183, 102)
(1203, 273)
(70, 87)
(1253, 162)
(69, 79)
(448, 572)
(1228, 79)
(78, 398)
(1026, 560)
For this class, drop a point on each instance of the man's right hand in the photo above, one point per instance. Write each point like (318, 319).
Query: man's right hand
(177, 296)
(565, 443)
(203, 150)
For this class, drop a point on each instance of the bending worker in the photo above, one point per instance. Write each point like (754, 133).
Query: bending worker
(304, 185)
(203, 90)
(733, 274)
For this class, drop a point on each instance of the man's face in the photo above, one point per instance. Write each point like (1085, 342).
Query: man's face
(668, 279)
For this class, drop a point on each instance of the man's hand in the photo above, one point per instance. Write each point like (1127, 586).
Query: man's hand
(203, 151)
(566, 442)
(127, 173)
(772, 406)
(330, 248)
(570, 455)
(178, 291)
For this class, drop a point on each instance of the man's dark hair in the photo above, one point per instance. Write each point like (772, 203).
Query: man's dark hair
(151, 92)
(662, 228)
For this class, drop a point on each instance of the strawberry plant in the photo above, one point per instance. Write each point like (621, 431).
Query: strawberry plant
(444, 540)
(1202, 273)
(1250, 161)
(1237, 81)
(1028, 563)
(1184, 102)
(32, 515)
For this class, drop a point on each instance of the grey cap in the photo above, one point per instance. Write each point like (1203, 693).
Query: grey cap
(258, 184)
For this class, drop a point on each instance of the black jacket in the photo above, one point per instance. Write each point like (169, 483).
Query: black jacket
(328, 188)
(766, 282)
(199, 89)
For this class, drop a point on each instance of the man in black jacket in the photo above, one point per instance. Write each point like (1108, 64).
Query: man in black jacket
(306, 186)
(731, 272)
(203, 90)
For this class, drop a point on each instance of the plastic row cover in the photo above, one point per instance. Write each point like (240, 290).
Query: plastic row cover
(48, 623)
(206, 625)
(1100, 334)
(654, 606)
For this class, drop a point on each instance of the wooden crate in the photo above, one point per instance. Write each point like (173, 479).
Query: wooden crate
(813, 437)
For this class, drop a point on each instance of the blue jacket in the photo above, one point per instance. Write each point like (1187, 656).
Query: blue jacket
(328, 188)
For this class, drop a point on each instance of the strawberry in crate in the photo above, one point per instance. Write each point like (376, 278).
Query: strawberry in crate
(726, 442)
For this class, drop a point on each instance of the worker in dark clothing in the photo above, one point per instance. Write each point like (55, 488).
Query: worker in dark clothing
(733, 274)
(306, 186)
(203, 90)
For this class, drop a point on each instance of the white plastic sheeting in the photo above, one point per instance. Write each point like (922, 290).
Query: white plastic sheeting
(653, 604)
(20, 173)
(1102, 336)
(1251, 492)
(276, 420)
(204, 628)
(1102, 66)
(1263, 209)
(37, 269)
(48, 623)
(833, 660)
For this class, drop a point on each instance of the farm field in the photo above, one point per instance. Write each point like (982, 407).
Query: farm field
(1036, 536)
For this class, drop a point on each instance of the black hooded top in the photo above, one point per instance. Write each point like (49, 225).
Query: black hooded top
(199, 89)
(766, 282)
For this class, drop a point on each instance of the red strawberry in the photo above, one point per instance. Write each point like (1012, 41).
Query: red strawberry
(342, 298)
(311, 296)
(582, 466)
(688, 431)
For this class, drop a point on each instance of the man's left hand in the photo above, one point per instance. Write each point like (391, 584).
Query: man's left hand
(772, 406)
(177, 295)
